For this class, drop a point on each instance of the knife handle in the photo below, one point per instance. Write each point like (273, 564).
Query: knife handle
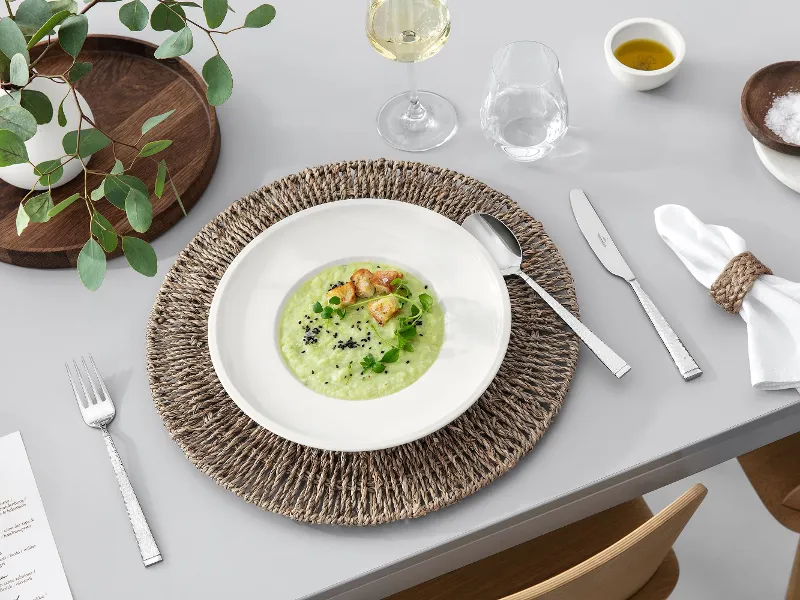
(615, 363)
(683, 360)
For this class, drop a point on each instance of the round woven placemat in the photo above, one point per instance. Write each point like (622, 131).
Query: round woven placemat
(366, 488)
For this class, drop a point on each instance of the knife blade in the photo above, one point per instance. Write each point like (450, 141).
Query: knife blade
(606, 250)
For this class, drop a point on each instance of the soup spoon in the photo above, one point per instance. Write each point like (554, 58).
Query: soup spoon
(506, 251)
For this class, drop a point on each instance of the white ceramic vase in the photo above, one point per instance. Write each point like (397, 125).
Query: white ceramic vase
(46, 144)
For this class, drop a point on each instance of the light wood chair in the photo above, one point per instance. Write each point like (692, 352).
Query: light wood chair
(774, 472)
(623, 553)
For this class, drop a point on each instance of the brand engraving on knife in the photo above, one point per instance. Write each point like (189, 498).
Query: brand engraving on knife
(603, 240)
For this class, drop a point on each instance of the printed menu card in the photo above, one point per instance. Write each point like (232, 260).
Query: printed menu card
(30, 568)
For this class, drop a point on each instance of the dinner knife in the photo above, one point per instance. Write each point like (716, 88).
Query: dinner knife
(606, 250)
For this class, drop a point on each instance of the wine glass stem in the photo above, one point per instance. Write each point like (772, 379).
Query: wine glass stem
(415, 117)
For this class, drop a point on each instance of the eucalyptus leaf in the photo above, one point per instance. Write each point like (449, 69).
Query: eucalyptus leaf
(104, 231)
(161, 178)
(31, 15)
(78, 70)
(38, 104)
(38, 207)
(118, 167)
(7, 99)
(58, 16)
(215, 11)
(177, 44)
(116, 188)
(168, 16)
(63, 5)
(177, 196)
(99, 192)
(139, 210)
(153, 121)
(12, 149)
(260, 16)
(17, 120)
(219, 79)
(91, 264)
(61, 206)
(11, 40)
(49, 172)
(140, 255)
(22, 219)
(134, 15)
(18, 70)
(92, 140)
(62, 118)
(151, 148)
(72, 34)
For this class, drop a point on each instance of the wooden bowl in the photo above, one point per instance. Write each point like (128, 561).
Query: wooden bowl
(758, 94)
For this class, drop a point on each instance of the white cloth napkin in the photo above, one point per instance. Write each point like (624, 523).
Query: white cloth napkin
(771, 309)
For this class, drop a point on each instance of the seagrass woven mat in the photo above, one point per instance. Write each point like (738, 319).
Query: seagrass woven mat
(366, 488)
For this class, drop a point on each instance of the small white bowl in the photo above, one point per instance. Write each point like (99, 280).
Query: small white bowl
(651, 29)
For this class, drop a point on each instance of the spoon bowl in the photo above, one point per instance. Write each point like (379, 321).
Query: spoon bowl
(505, 249)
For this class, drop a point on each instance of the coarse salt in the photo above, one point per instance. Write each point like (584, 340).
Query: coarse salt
(783, 117)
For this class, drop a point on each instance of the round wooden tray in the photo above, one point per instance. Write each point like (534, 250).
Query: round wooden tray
(125, 86)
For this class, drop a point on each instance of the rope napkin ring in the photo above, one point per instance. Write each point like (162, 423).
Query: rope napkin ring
(735, 281)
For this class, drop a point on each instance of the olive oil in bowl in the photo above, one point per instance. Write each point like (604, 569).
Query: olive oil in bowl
(644, 55)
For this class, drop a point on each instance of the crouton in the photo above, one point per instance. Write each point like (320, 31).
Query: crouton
(362, 280)
(346, 294)
(384, 309)
(382, 280)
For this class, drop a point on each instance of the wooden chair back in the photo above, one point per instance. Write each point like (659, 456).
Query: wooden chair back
(622, 569)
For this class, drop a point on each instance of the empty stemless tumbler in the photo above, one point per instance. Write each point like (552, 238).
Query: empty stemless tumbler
(524, 112)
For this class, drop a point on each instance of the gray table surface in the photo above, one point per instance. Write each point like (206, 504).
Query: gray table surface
(307, 91)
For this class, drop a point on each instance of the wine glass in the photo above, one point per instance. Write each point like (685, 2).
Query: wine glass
(410, 31)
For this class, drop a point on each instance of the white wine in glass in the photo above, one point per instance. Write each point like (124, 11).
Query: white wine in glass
(410, 31)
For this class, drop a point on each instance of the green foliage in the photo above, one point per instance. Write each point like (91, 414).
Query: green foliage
(215, 11)
(140, 255)
(62, 205)
(219, 79)
(161, 178)
(18, 69)
(177, 44)
(139, 210)
(260, 17)
(134, 15)
(57, 18)
(78, 70)
(104, 231)
(31, 15)
(18, 121)
(38, 105)
(49, 171)
(153, 121)
(151, 148)
(168, 16)
(23, 110)
(92, 140)
(92, 264)
(72, 34)
(12, 149)
(117, 187)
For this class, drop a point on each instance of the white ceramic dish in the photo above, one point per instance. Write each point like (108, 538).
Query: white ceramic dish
(245, 313)
(785, 167)
(652, 29)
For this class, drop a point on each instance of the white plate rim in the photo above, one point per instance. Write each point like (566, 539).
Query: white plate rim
(298, 437)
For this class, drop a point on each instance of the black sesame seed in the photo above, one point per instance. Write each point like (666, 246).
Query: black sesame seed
(337, 366)
(326, 383)
(299, 322)
(426, 287)
(408, 361)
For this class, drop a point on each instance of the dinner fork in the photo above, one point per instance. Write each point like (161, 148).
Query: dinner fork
(98, 411)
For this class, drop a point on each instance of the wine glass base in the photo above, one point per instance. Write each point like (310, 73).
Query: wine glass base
(438, 126)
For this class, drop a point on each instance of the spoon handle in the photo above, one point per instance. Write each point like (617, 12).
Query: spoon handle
(615, 363)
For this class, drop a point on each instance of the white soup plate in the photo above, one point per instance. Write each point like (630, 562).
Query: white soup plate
(244, 322)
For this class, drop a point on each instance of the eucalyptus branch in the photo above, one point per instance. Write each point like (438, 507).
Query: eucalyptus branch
(8, 7)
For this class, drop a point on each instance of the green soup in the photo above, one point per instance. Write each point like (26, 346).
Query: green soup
(326, 354)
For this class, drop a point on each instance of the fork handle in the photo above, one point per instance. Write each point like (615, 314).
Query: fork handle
(144, 537)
